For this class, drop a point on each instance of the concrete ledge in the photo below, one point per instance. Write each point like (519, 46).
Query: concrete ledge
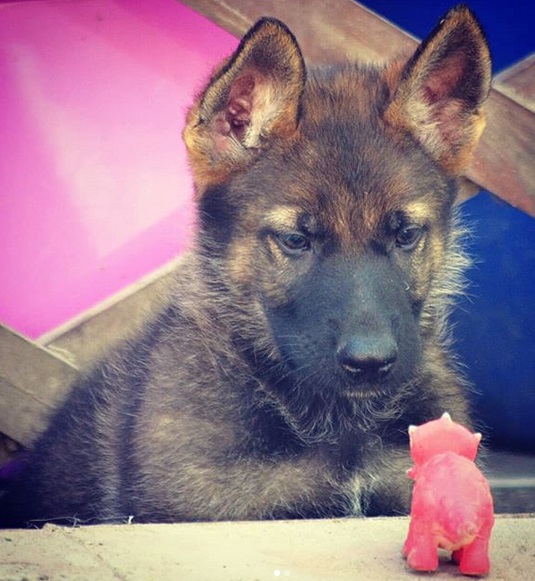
(322, 550)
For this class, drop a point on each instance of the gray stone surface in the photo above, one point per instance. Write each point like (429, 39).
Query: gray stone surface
(321, 550)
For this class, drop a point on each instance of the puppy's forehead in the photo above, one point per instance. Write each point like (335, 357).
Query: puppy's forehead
(346, 90)
(347, 171)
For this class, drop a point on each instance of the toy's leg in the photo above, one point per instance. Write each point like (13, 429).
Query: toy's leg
(422, 552)
(474, 559)
(409, 542)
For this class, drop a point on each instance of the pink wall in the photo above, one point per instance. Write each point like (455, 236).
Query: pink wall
(95, 190)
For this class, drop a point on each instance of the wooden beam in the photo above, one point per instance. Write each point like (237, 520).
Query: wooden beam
(327, 30)
(35, 377)
(88, 337)
(337, 30)
(32, 383)
(504, 162)
(518, 82)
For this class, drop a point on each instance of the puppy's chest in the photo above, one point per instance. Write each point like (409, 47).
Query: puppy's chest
(330, 476)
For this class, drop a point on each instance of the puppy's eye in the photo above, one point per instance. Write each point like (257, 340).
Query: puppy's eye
(408, 237)
(293, 242)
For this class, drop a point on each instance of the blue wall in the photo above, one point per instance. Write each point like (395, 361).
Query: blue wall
(495, 324)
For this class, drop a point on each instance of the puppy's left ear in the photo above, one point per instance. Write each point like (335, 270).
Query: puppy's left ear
(442, 88)
(251, 101)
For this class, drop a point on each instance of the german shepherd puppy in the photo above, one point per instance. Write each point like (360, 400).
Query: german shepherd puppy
(307, 327)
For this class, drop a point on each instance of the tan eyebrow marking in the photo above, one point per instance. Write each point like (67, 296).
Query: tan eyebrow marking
(283, 217)
(419, 212)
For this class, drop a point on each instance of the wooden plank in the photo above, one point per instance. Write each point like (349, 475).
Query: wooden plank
(90, 336)
(36, 377)
(504, 162)
(331, 30)
(23, 417)
(518, 82)
(32, 383)
(327, 30)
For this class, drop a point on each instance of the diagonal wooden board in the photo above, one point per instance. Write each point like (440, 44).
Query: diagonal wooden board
(35, 377)
(518, 82)
(33, 381)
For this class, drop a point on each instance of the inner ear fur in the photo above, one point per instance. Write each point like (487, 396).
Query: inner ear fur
(253, 98)
(442, 88)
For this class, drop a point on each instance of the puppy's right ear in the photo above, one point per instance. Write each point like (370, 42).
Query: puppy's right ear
(442, 89)
(251, 100)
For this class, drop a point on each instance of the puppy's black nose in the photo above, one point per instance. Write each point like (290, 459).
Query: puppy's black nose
(368, 356)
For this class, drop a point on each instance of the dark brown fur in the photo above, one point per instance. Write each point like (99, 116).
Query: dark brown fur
(307, 328)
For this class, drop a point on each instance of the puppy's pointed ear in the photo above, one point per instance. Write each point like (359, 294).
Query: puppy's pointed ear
(442, 88)
(251, 100)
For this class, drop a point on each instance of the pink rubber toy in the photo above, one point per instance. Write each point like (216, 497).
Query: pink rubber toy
(452, 505)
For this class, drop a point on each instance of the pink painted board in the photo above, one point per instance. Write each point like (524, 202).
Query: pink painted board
(94, 186)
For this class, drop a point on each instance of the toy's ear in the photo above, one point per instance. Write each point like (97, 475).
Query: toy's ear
(439, 96)
(471, 450)
(253, 98)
